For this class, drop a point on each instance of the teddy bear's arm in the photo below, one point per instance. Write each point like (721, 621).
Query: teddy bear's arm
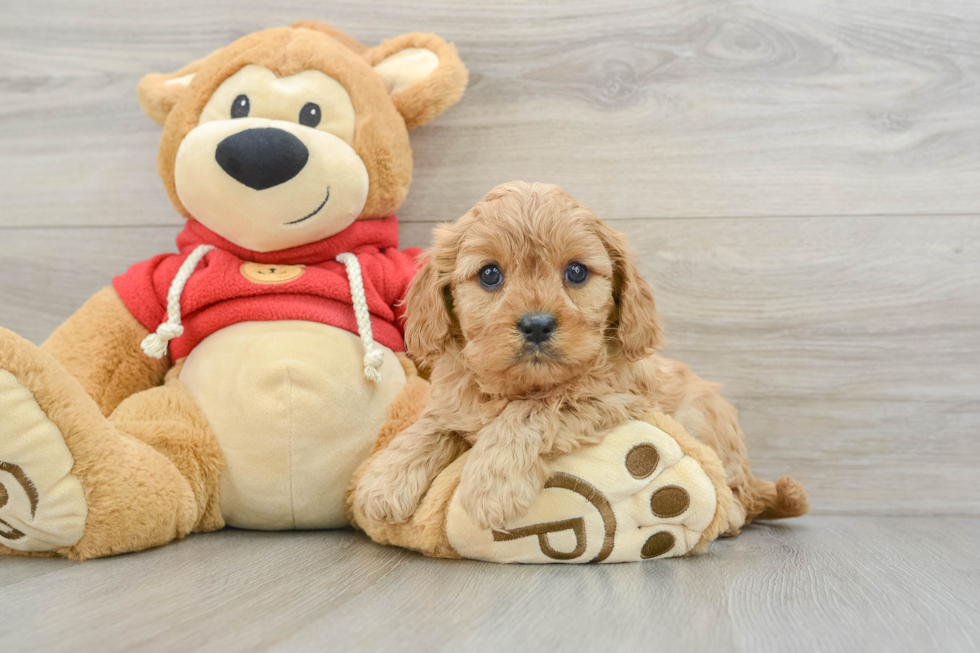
(100, 346)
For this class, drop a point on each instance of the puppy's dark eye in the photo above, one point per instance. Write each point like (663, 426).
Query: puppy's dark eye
(309, 115)
(240, 107)
(576, 273)
(491, 277)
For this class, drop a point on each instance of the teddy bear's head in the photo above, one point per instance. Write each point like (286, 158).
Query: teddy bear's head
(289, 135)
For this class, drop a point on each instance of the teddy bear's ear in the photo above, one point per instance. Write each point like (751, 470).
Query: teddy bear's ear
(158, 93)
(423, 75)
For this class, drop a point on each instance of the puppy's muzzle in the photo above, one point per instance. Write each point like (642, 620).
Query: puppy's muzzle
(537, 327)
(263, 157)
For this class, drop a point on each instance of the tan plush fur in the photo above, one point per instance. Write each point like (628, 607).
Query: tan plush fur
(519, 405)
(121, 368)
(420, 103)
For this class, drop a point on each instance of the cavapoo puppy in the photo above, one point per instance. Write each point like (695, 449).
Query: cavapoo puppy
(540, 335)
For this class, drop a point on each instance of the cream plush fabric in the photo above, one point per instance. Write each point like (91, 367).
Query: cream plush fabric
(599, 506)
(45, 505)
(294, 415)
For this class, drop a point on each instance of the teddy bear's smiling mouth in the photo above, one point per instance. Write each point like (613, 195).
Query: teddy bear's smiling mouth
(307, 217)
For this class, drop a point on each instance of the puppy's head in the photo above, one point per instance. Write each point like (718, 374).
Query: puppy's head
(533, 289)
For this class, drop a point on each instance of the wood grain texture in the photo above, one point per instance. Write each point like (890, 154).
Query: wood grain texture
(670, 108)
(820, 583)
(848, 345)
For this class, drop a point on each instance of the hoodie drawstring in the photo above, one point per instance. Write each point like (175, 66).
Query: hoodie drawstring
(155, 345)
(374, 356)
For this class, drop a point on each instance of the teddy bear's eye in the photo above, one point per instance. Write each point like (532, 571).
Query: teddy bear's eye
(309, 115)
(240, 107)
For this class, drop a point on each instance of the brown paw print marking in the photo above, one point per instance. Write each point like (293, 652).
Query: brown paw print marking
(657, 545)
(29, 489)
(669, 501)
(576, 525)
(641, 461)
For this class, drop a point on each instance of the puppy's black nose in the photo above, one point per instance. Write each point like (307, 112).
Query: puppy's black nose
(262, 157)
(536, 327)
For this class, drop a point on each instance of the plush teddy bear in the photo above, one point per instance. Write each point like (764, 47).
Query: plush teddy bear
(241, 381)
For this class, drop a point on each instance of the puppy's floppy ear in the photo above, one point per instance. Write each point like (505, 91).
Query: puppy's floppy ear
(158, 93)
(636, 317)
(423, 75)
(429, 304)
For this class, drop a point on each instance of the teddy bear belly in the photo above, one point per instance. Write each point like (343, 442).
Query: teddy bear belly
(294, 415)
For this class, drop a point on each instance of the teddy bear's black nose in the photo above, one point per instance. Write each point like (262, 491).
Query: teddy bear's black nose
(262, 157)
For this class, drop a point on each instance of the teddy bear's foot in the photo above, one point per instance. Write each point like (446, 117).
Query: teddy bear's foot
(42, 505)
(646, 491)
(80, 485)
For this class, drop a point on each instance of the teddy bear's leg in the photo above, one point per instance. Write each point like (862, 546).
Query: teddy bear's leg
(649, 490)
(75, 483)
(168, 419)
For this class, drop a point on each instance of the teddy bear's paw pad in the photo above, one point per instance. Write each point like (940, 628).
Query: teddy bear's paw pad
(634, 496)
(42, 505)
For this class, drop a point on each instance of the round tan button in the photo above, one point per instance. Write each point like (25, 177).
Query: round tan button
(270, 273)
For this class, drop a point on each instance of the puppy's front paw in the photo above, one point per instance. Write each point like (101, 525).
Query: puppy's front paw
(378, 498)
(494, 500)
(389, 492)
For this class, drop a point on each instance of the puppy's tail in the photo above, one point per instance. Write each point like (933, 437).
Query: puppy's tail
(767, 500)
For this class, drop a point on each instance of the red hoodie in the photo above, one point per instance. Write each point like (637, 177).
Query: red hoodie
(219, 294)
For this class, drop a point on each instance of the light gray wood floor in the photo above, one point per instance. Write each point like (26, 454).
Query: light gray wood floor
(801, 179)
(824, 583)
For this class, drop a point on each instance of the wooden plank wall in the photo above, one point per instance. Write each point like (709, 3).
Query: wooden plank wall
(800, 177)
